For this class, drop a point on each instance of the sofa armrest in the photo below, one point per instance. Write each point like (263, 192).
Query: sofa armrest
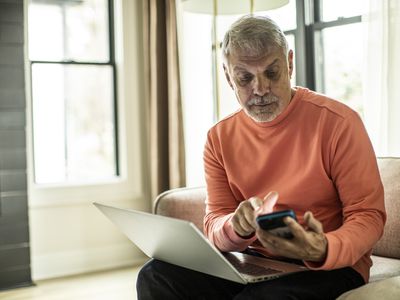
(389, 244)
(183, 203)
(388, 289)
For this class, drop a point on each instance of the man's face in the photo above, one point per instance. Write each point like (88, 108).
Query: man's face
(261, 84)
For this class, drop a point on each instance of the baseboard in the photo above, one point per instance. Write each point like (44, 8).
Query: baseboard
(83, 261)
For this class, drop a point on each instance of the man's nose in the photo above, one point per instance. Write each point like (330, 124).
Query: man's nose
(261, 86)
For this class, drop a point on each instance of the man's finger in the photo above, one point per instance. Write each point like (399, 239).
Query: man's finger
(241, 227)
(256, 203)
(313, 223)
(246, 226)
(296, 229)
(277, 245)
(269, 202)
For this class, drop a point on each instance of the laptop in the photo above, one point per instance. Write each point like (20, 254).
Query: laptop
(181, 243)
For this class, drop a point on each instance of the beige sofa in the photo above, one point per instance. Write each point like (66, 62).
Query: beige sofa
(189, 204)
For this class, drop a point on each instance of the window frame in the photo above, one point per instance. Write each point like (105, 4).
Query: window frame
(310, 25)
(111, 63)
(131, 186)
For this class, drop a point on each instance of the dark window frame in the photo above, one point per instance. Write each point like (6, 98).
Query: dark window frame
(112, 63)
(308, 39)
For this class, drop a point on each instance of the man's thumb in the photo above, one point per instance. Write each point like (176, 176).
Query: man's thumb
(313, 223)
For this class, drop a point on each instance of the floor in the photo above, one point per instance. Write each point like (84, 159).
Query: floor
(115, 284)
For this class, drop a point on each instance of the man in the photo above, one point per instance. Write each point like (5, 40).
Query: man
(286, 148)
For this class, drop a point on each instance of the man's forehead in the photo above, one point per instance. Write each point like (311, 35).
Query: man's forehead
(243, 63)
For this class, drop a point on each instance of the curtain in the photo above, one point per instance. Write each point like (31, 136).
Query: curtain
(381, 82)
(163, 96)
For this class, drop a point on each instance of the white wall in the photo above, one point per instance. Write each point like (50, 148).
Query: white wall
(68, 234)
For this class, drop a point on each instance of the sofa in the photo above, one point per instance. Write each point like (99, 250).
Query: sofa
(189, 204)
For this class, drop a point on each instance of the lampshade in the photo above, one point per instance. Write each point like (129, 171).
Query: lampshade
(231, 7)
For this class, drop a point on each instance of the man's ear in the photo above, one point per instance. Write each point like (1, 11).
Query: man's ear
(228, 78)
(290, 62)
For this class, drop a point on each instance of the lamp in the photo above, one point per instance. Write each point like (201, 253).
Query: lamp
(226, 7)
(231, 7)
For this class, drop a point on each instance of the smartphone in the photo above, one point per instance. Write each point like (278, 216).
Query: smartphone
(274, 224)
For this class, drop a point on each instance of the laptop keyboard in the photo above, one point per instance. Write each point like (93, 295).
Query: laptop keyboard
(253, 270)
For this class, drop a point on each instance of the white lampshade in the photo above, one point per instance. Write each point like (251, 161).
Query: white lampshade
(230, 7)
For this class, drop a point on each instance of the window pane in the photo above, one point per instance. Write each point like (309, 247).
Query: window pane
(340, 74)
(73, 123)
(68, 30)
(197, 90)
(336, 9)
(291, 41)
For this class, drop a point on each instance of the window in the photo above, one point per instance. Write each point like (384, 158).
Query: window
(332, 10)
(197, 90)
(339, 72)
(73, 82)
(334, 34)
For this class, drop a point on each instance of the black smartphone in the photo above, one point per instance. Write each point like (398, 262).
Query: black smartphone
(274, 224)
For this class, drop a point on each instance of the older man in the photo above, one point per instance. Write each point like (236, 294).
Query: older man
(287, 147)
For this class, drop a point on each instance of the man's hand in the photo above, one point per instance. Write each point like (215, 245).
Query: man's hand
(244, 218)
(307, 244)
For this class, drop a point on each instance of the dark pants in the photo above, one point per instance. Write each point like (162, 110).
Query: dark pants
(160, 280)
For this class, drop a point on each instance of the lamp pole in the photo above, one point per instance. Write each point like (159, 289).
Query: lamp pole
(216, 66)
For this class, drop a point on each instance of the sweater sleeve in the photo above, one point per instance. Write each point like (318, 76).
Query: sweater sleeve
(220, 203)
(356, 176)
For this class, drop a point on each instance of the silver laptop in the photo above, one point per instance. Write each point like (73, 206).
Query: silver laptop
(181, 243)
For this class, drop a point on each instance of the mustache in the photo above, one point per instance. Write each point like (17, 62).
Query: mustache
(267, 99)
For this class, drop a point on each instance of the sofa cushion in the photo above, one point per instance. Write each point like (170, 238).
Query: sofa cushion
(389, 244)
(185, 203)
(388, 289)
(384, 267)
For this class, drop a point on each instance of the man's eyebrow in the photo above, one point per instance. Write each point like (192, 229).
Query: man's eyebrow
(273, 63)
(240, 69)
(243, 69)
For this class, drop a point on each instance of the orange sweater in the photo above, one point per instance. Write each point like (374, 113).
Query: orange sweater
(318, 157)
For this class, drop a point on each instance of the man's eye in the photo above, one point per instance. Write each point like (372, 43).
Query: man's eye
(245, 78)
(272, 74)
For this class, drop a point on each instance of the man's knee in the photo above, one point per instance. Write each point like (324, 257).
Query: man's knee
(149, 279)
(152, 271)
(161, 280)
(145, 273)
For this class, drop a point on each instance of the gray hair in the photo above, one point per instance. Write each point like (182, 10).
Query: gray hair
(253, 36)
